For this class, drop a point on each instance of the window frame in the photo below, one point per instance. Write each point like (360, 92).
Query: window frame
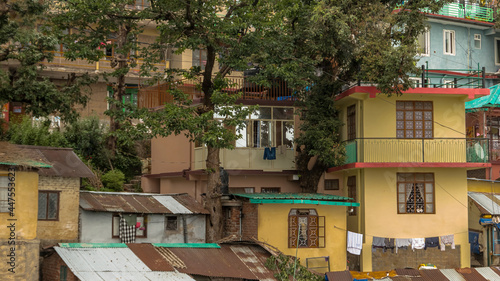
(352, 193)
(405, 120)
(332, 184)
(477, 38)
(453, 50)
(427, 43)
(145, 231)
(319, 228)
(398, 182)
(268, 189)
(47, 205)
(351, 122)
(234, 190)
(497, 50)
(176, 223)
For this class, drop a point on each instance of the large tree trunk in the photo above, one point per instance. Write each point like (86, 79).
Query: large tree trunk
(309, 176)
(213, 197)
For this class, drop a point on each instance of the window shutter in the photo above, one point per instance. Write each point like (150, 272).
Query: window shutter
(292, 231)
(312, 230)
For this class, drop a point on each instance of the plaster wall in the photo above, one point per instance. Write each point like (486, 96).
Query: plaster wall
(383, 220)
(66, 228)
(172, 154)
(19, 261)
(96, 227)
(273, 229)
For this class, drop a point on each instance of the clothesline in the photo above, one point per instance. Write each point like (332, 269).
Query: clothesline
(402, 237)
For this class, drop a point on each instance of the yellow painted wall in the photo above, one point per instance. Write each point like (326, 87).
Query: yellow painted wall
(382, 219)
(273, 229)
(66, 228)
(483, 186)
(26, 206)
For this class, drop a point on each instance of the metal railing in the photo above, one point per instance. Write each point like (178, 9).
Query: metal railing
(435, 150)
(464, 78)
(456, 10)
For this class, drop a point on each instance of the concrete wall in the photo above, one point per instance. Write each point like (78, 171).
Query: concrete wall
(96, 227)
(66, 228)
(389, 260)
(172, 154)
(25, 265)
(382, 219)
(273, 229)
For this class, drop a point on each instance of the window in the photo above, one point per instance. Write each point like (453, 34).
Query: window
(63, 273)
(415, 193)
(477, 41)
(171, 223)
(4, 194)
(449, 42)
(268, 127)
(351, 122)
(414, 119)
(423, 41)
(332, 184)
(140, 232)
(236, 190)
(497, 51)
(200, 58)
(351, 193)
(417, 82)
(48, 205)
(270, 190)
(448, 84)
(305, 229)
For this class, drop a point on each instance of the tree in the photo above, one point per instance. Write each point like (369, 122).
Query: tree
(94, 29)
(325, 47)
(23, 47)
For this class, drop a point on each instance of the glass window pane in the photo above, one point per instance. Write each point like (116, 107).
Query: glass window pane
(401, 197)
(402, 208)
(409, 115)
(409, 125)
(244, 140)
(418, 115)
(262, 113)
(116, 226)
(400, 125)
(419, 134)
(408, 105)
(400, 115)
(428, 105)
(140, 230)
(283, 113)
(52, 212)
(266, 133)
(419, 177)
(42, 205)
(429, 208)
(429, 198)
(401, 187)
(419, 105)
(288, 134)
(400, 105)
(429, 187)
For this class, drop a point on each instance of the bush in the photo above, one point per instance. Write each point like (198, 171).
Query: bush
(35, 133)
(113, 180)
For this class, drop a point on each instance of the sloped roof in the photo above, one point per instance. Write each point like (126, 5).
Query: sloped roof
(15, 155)
(63, 161)
(141, 203)
(488, 203)
(94, 264)
(491, 100)
(298, 198)
(141, 261)
(459, 274)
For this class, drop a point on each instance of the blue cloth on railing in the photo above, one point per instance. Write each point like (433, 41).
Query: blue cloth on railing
(270, 153)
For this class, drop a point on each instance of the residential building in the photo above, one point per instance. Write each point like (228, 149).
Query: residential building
(236, 261)
(145, 218)
(407, 162)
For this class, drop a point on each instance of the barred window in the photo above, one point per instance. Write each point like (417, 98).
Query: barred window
(414, 119)
(306, 229)
(416, 193)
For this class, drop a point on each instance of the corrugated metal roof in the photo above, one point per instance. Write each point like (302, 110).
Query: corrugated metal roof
(139, 203)
(339, 276)
(187, 245)
(487, 201)
(299, 196)
(488, 273)
(491, 100)
(255, 259)
(170, 257)
(452, 274)
(221, 262)
(470, 274)
(433, 275)
(92, 245)
(411, 272)
(147, 253)
(64, 162)
(94, 264)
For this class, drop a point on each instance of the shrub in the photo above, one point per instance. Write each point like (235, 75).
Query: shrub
(113, 180)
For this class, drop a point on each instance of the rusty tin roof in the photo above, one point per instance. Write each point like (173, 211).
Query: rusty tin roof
(230, 261)
(433, 275)
(470, 274)
(141, 203)
(339, 276)
(148, 255)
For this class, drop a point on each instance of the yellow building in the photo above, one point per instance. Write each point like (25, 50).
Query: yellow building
(407, 162)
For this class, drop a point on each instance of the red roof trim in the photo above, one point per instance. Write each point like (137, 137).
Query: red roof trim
(461, 74)
(230, 172)
(360, 165)
(372, 90)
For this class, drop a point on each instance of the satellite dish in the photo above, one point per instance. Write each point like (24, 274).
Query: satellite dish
(479, 151)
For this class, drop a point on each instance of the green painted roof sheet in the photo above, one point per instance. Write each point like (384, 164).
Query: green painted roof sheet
(92, 245)
(187, 245)
(294, 196)
(27, 163)
(491, 100)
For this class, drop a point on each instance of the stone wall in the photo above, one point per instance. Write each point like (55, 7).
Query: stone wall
(408, 258)
(65, 229)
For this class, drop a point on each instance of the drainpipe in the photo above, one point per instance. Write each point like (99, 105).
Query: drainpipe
(468, 48)
(184, 228)
(241, 217)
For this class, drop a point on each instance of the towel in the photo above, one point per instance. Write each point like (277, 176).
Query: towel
(417, 243)
(378, 242)
(402, 242)
(389, 244)
(447, 240)
(354, 243)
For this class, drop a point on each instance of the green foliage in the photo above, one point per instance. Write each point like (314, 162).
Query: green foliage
(113, 180)
(287, 267)
(30, 132)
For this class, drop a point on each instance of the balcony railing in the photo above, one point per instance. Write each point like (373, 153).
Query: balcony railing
(469, 11)
(436, 150)
(158, 95)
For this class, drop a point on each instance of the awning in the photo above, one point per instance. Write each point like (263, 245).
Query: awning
(483, 103)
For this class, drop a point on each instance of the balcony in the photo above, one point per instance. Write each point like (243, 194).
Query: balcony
(436, 150)
(158, 95)
(469, 11)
